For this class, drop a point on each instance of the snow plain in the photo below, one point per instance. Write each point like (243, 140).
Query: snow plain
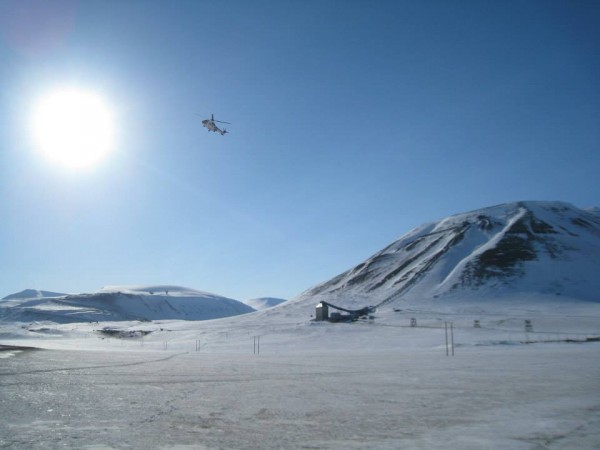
(378, 384)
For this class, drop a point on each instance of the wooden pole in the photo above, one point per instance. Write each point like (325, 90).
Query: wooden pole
(446, 330)
(452, 336)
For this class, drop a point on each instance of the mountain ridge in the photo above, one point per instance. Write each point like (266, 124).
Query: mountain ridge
(32, 293)
(118, 303)
(527, 246)
(521, 249)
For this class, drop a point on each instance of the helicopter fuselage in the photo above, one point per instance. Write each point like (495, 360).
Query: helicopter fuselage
(211, 126)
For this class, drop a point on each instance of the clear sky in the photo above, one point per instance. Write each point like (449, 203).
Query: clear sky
(352, 123)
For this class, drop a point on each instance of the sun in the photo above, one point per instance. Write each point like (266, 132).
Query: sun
(74, 128)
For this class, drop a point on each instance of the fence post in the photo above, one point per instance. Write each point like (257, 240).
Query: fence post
(449, 344)
(257, 345)
(452, 336)
(446, 332)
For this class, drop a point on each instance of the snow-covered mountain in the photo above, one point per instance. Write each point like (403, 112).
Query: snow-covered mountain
(264, 302)
(523, 248)
(115, 303)
(32, 293)
(594, 210)
(529, 250)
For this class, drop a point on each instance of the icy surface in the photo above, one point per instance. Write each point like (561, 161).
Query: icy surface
(502, 398)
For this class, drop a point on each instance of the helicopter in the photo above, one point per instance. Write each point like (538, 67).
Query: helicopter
(210, 125)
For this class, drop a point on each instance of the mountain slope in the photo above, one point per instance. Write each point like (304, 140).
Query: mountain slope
(117, 303)
(550, 248)
(32, 293)
(264, 302)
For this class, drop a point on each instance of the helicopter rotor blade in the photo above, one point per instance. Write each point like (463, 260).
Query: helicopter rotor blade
(212, 118)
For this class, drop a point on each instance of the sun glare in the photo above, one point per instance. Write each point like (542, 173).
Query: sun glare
(74, 128)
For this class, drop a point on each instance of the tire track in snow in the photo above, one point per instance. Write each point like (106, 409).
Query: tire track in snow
(105, 366)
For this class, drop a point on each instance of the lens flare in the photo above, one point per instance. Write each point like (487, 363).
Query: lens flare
(74, 128)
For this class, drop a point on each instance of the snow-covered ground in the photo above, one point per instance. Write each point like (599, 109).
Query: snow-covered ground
(275, 379)
(531, 397)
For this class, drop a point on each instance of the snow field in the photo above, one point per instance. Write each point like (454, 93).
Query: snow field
(530, 397)
(284, 331)
(379, 384)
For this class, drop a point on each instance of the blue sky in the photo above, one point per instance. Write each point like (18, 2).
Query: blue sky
(352, 123)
